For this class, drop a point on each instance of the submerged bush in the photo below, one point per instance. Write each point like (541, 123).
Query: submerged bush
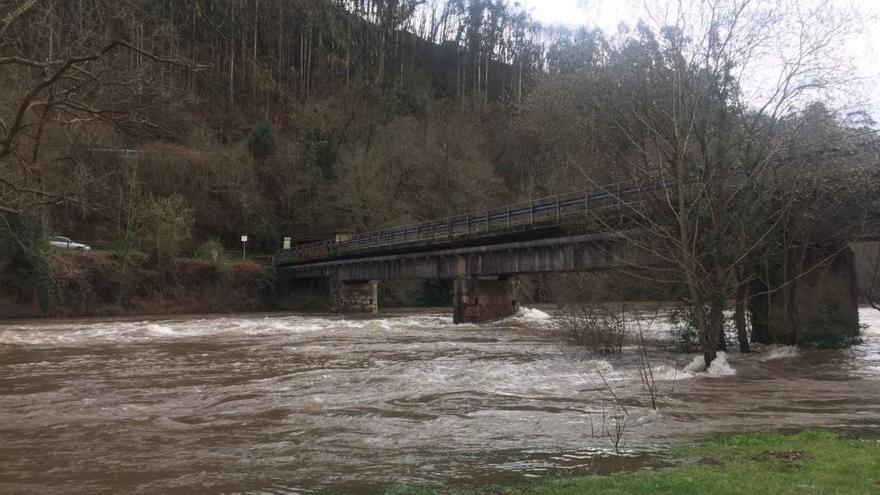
(686, 337)
(600, 330)
(683, 328)
(830, 328)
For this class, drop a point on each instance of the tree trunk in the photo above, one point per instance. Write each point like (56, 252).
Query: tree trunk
(254, 75)
(519, 89)
(740, 319)
(716, 331)
(232, 76)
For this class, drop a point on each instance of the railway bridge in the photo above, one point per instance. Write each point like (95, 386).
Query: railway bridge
(485, 252)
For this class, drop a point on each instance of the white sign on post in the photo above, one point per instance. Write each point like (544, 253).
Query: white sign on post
(244, 238)
(243, 248)
(286, 243)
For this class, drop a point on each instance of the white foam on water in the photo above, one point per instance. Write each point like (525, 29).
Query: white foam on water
(774, 351)
(76, 333)
(870, 317)
(533, 314)
(529, 315)
(160, 330)
(719, 367)
(600, 366)
(665, 372)
(298, 327)
(379, 325)
(697, 365)
(426, 321)
(384, 324)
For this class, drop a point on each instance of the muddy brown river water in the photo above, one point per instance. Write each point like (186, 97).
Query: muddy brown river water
(293, 404)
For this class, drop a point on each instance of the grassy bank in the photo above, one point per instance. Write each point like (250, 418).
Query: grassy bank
(808, 462)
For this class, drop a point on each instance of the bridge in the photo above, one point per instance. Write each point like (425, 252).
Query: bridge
(486, 251)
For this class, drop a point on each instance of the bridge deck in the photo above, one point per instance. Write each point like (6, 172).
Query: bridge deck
(544, 217)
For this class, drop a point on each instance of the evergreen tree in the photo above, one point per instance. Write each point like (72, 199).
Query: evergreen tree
(261, 142)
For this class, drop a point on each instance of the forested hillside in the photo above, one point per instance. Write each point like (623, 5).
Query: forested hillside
(171, 127)
(273, 117)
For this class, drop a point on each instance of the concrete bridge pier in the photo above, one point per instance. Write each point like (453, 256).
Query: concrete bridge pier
(356, 297)
(482, 299)
(816, 303)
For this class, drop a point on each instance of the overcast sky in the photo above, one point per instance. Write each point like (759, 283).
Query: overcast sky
(864, 49)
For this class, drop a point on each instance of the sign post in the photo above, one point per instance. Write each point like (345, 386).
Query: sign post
(244, 240)
(286, 246)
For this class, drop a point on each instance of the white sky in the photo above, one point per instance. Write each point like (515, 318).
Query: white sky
(863, 49)
(605, 14)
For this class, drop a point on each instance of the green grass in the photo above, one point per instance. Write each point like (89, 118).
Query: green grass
(809, 462)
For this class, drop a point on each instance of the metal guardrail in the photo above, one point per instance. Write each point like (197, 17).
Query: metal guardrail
(543, 212)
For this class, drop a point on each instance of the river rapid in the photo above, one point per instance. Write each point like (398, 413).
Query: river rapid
(293, 404)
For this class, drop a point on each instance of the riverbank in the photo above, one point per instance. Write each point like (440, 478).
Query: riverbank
(95, 284)
(812, 461)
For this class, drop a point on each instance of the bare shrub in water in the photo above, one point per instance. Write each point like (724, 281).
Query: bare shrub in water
(587, 317)
(615, 429)
(613, 423)
(646, 373)
(646, 369)
(600, 330)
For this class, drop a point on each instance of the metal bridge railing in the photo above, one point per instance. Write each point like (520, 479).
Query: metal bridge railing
(543, 212)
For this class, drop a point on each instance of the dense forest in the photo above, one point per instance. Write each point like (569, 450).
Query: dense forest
(166, 129)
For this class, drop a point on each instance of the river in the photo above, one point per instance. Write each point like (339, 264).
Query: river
(290, 404)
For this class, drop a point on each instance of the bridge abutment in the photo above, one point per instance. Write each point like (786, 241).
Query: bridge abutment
(480, 300)
(816, 302)
(356, 297)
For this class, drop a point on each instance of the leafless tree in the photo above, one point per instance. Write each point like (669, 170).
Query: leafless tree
(710, 152)
(79, 84)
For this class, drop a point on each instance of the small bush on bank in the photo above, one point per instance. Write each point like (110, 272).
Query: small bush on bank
(211, 250)
(167, 227)
(85, 284)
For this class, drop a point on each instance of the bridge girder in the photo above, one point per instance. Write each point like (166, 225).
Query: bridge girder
(564, 254)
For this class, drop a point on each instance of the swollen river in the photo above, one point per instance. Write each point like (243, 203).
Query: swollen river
(292, 404)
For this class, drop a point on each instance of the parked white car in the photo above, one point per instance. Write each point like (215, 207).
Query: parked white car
(65, 243)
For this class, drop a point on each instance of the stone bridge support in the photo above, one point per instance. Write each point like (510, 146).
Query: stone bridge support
(356, 297)
(482, 299)
(818, 305)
